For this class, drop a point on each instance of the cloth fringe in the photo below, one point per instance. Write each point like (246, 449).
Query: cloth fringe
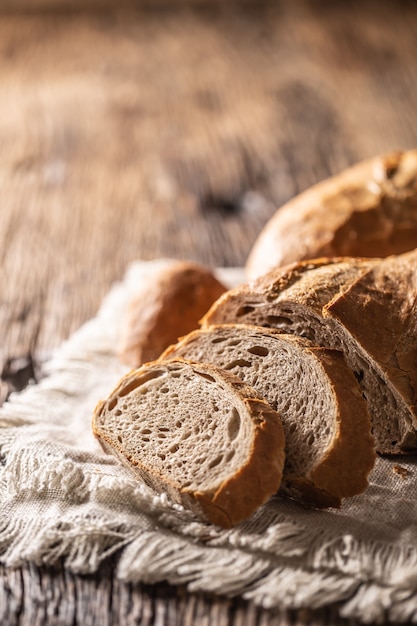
(61, 497)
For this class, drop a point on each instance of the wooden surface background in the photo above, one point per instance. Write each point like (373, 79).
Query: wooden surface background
(170, 131)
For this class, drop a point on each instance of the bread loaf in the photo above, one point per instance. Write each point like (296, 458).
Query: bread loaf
(369, 210)
(169, 304)
(328, 447)
(367, 309)
(198, 434)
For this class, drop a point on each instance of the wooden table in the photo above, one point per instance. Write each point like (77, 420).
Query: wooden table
(170, 131)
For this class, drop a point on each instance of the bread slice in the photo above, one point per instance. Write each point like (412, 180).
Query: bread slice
(167, 305)
(367, 309)
(329, 449)
(198, 434)
(368, 210)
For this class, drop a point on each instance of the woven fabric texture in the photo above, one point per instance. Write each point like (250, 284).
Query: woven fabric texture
(61, 497)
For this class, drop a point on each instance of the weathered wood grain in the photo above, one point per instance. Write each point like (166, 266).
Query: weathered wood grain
(35, 597)
(41, 6)
(129, 134)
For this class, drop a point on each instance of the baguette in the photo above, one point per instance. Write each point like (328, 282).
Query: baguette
(368, 210)
(329, 450)
(198, 434)
(367, 309)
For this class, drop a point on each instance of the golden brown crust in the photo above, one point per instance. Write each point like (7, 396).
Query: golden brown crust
(238, 496)
(299, 282)
(167, 306)
(368, 210)
(379, 310)
(353, 439)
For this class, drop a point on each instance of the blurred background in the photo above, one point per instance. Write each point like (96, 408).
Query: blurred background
(146, 129)
(134, 130)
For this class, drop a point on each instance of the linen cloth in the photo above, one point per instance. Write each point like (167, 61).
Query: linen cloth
(61, 497)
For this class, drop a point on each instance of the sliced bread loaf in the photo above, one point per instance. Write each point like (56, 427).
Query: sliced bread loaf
(364, 308)
(198, 434)
(329, 449)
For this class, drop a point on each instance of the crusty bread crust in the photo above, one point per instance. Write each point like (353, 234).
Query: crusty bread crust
(379, 310)
(165, 307)
(246, 487)
(352, 441)
(368, 210)
(313, 283)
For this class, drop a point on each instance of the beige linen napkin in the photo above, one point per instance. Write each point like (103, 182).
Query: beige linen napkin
(62, 497)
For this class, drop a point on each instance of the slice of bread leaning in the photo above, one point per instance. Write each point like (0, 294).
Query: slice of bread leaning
(198, 434)
(367, 309)
(329, 449)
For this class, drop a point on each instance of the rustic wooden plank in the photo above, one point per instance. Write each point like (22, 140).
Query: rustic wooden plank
(128, 134)
(156, 147)
(41, 6)
(39, 596)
